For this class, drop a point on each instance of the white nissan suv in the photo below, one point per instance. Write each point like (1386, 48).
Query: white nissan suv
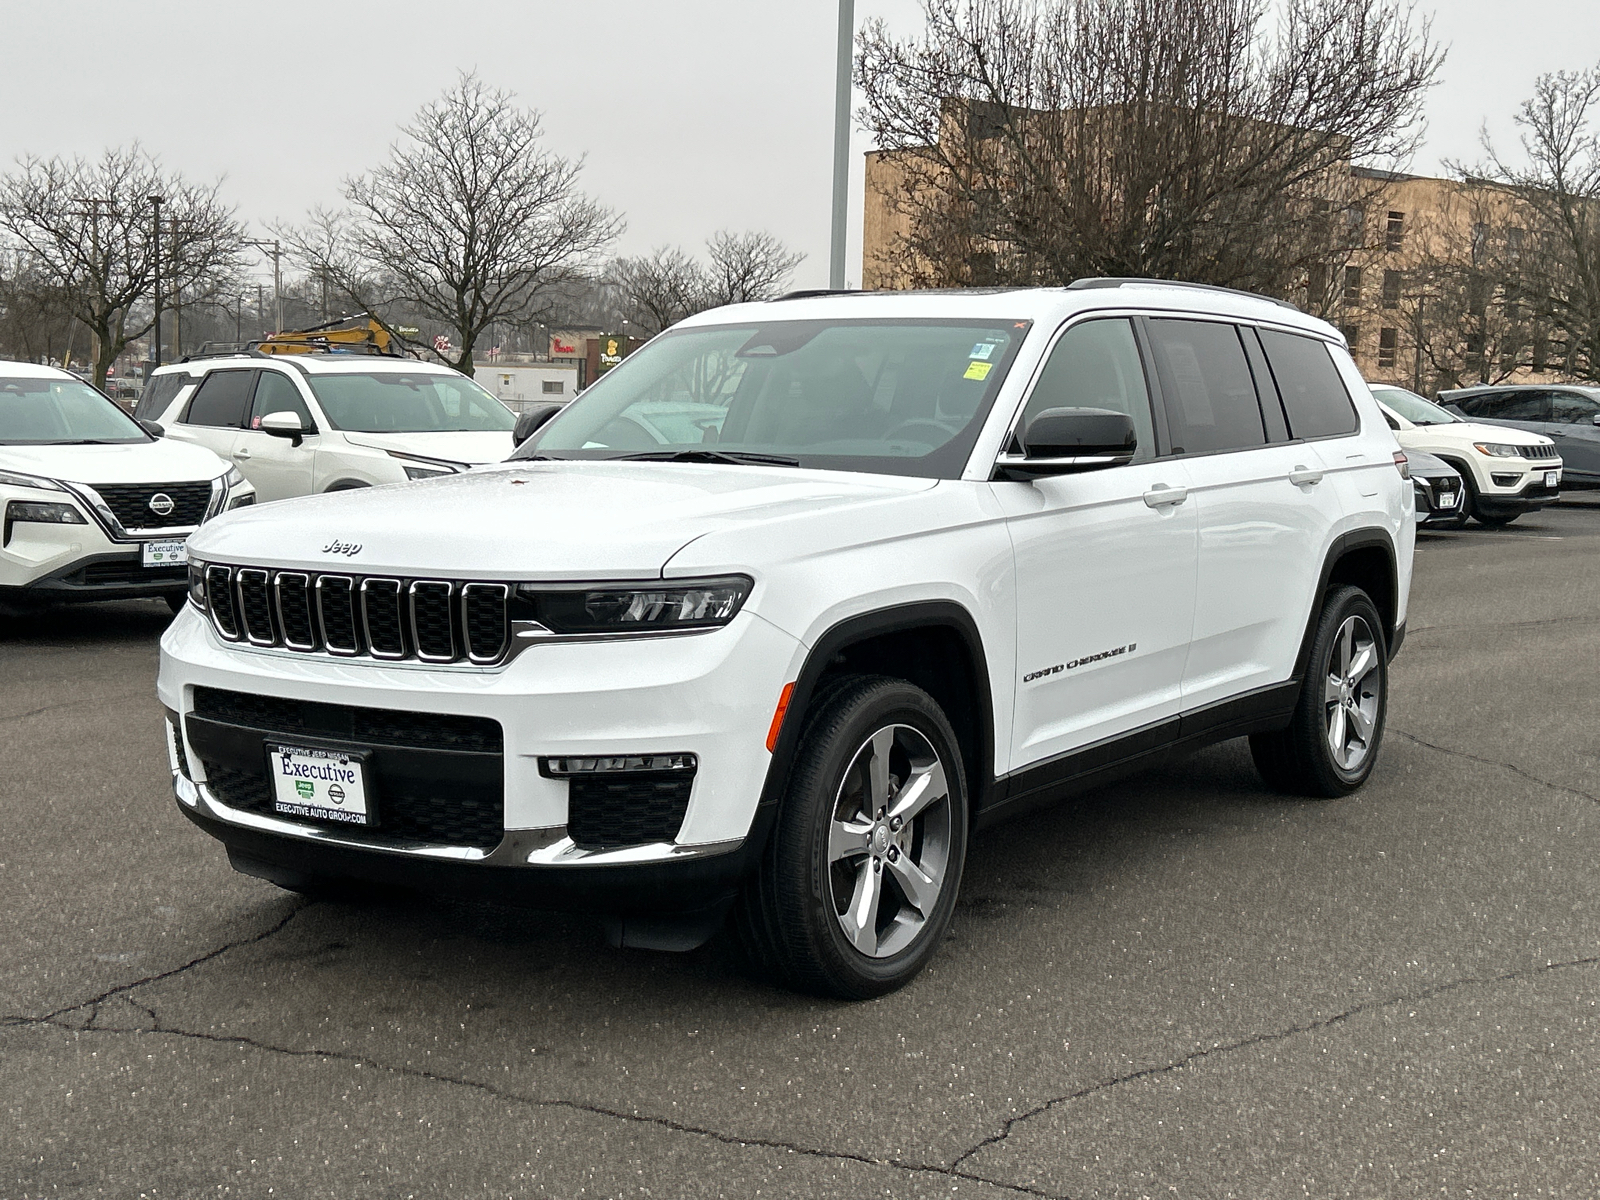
(93, 506)
(303, 423)
(788, 604)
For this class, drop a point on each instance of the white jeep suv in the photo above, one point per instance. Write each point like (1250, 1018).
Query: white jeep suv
(1505, 472)
(92, 507)
(303, 423)
(784, 607)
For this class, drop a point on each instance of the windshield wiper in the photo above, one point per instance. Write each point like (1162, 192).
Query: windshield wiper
(739, 457)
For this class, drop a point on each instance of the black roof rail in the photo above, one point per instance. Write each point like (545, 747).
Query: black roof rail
(808, 293)
(1116, 281)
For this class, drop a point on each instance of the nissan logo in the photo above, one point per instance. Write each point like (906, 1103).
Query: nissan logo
(161, 504)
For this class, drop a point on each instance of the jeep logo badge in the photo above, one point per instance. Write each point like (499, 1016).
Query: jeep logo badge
(161, 504)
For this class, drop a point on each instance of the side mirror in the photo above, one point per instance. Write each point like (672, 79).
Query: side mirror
(1064, 441)
(530, 422)
(285, 425)
(153, 428)
(1595, 420)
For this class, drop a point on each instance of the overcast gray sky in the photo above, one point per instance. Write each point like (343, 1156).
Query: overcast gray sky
(695, 115)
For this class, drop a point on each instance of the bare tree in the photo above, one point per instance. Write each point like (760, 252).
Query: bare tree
(1558, 186)
(662, 288)
(658, 289)
(35, 314)
(470, 221)
(747, 266)
(90, 228)
(1037, 141)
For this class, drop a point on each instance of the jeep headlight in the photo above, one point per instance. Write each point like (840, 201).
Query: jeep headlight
(1497, 449)
(638, 607)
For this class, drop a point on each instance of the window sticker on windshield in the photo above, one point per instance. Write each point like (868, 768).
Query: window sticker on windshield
(978, 370)
(983, 350)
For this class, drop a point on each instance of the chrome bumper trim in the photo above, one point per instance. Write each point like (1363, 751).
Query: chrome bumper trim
(545, 847)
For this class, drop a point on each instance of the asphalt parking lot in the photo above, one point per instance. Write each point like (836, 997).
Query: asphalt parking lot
(1180, 986)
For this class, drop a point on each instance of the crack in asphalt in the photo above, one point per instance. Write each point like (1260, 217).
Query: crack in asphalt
(34, 712)
(1426, 994)
(1494, 762)
(599, 1110)
(94, 1002)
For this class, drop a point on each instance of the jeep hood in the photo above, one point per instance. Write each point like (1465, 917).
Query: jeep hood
(537, 520)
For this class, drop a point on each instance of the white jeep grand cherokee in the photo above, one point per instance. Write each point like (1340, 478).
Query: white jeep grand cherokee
(783, 608)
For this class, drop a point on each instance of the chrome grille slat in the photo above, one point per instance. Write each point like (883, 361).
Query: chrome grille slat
(431, 631)
(292, 590)
(219, 602)
(382, 613)
(485, 632)
(255, 606)
(336, 613)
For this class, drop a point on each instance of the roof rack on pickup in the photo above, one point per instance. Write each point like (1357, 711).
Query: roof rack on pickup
(1115, 281)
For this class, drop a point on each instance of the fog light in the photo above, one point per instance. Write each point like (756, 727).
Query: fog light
(614, 764)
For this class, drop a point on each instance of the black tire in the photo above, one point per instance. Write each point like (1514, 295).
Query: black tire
(1299, 760)
(1496, 520)
(788, 917)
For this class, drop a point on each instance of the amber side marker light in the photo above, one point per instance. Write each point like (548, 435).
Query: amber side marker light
(777, 717)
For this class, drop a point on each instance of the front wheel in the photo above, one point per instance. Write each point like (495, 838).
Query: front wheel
(1331, 742)
(1496, 520)
(859, 881)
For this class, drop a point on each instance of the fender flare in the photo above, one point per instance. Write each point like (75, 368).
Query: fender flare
(923, 614)
(1356, 539)
(345, 485)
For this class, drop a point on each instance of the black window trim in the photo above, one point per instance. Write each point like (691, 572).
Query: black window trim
(1351, 400)
(319, 419)
(244, 416)
(1238, 327)
(1011, 441)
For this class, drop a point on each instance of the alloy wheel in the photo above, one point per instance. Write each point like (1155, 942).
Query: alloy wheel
(889, 840)
(1351, 693)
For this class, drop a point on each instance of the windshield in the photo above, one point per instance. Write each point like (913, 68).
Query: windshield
(407, 402)
(903, 397)
(61, 412)
(1413, 407)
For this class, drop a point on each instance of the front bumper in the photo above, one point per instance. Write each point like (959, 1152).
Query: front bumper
(1438, 499)
(706, 694)
(1529, 493)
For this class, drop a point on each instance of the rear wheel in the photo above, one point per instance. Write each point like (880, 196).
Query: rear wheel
(1331, 742)
(859, 881)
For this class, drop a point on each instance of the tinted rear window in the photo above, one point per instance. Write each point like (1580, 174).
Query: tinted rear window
(1206, 382)
(158, 393)
(1314, 397)
(221, 399)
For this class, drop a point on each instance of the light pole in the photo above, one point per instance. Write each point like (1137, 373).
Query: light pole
(841, 142)
(155, 325)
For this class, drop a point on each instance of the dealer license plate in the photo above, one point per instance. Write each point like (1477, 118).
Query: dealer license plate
(1552, 478)
(325, 785)
(1448, 499)
(164, 554)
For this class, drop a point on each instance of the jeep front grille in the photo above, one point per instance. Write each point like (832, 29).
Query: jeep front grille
(421, 620)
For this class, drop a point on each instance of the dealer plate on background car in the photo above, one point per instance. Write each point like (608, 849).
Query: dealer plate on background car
(163, 554)
(325, 785)
(1552, 478)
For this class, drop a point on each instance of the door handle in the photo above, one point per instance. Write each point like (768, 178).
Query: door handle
(1304, 475)
(1162, 496)
(241, 454)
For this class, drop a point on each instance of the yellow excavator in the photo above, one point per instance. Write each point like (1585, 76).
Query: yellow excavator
(340, 335)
